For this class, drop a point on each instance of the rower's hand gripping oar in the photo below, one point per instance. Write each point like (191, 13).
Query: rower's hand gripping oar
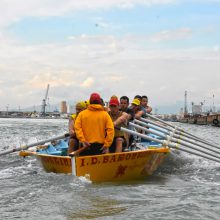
(33, 144)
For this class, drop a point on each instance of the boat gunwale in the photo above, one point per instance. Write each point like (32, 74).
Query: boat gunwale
(150, 150)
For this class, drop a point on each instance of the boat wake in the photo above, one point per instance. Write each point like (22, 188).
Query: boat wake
(181, 163)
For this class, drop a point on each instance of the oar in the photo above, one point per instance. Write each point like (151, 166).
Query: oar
(171, 139)
(179, 137)
(27, 153)
(177, 128)
(168, 144)
(179, 131)
(77, 152)
(33, 144)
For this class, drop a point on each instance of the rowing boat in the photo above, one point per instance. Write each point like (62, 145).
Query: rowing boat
(156, 139)
(139, 162)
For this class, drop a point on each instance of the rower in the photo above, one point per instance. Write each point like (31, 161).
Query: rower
(74, 142)
(144, 103)
(119, 119)
(94, 128)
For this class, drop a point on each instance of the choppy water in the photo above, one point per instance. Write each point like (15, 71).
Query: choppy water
(185, 187)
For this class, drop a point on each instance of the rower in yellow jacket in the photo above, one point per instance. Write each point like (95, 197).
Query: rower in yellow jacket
(94, 127)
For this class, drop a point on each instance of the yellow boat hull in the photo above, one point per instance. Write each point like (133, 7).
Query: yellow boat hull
(107, 167)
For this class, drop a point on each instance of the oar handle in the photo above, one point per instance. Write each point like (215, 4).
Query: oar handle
(77, 152)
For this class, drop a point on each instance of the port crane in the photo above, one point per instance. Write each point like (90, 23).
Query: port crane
(44, 104)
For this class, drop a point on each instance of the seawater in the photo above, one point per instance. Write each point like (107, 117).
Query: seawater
(185, 187)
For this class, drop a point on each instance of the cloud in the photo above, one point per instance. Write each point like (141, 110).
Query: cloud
(116, 78)
(169, 35)
(13, 11)
(108, 63)
(216, 48)
(58, 78)
(88, 83)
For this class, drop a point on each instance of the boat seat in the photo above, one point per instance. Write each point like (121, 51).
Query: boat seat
(50, 150)
(62, 146)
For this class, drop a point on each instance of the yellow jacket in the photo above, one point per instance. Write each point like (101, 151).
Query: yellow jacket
(94, 125)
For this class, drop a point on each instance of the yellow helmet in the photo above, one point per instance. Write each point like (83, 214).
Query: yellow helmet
(81, 105)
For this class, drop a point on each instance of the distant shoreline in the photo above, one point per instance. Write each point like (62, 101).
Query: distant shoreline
(12, 117)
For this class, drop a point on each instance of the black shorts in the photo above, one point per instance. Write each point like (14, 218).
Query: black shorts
(94, 149)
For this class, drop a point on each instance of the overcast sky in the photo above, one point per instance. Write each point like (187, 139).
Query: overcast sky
(158, 48)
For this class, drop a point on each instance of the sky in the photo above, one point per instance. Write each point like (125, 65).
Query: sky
(158, 48)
